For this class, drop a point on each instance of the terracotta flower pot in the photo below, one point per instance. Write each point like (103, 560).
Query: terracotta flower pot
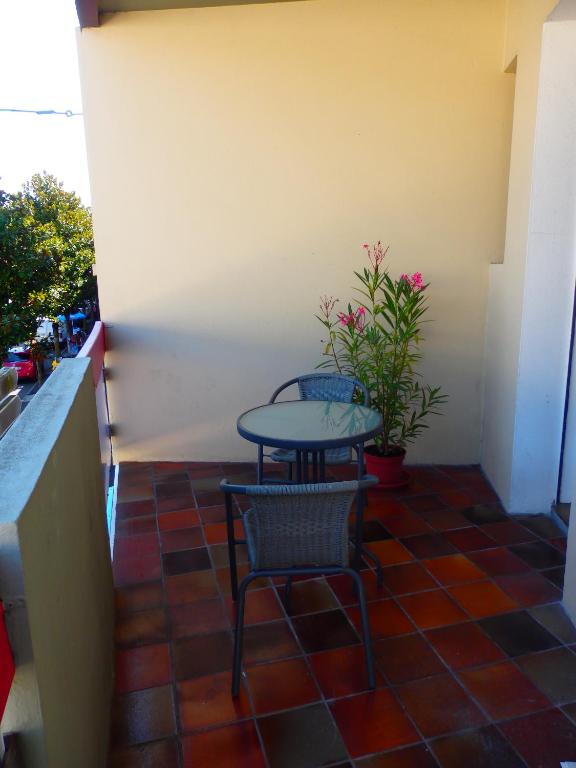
(388, 469)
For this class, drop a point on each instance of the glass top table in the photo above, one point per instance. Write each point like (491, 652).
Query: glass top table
(314, 427)
(309, 424)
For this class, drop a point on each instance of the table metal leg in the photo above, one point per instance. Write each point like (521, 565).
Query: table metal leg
(260, 470)
(298, 467)
(322, 467)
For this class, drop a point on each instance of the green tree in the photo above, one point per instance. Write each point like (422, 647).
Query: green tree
(53, 245)
(22, 272)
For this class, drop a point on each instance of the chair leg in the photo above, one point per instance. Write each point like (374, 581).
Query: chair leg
(365, 626)
(231, 547)
(239, 636)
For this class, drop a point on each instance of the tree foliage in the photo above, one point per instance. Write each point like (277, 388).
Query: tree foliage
(46, 256)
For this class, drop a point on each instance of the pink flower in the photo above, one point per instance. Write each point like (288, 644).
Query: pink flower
(360, 310)
(415, 281)
(376, 254)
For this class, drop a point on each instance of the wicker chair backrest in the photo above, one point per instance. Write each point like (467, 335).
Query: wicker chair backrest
(298, 525)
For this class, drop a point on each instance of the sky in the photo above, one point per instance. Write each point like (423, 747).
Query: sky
(40, 71)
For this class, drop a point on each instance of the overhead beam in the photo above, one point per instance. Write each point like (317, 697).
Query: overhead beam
(87, 11)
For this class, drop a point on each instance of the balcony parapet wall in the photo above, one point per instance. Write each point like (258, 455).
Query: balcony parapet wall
(55, 575)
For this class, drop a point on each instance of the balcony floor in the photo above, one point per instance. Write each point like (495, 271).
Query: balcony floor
(476, 659)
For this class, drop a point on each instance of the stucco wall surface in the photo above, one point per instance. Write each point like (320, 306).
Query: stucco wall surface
(240, 156)
(55, 576)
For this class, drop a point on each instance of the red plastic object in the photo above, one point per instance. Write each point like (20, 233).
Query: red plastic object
(6, 664)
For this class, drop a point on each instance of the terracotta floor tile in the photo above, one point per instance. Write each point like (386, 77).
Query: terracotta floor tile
(322, 631)
(267, 642)
(207, 701)
(543, 739)
(518, 633)
(556, 620)
(554, 672)
(261, 605)
(176, 504)
(453, 569)
(410, 757)
(202, 655)
(498, 562)
(449, 520)
(139, 545)
(219, 554)
(432, 609)
(385, 617)
(342, 671)
(200, 618)
(373, 530)
(142, 508)
(538, 554)
(173, 490)
(406, 524)
(175, 541)
(281, 685)
(438, 705)
(407, 578)
(542, 525)
(159, 754)
(301, 738)
(488, 685)
(372, 722)
(469, 539)
(135, 526)
(529, 589)
(189, 587)
(385, 506)
(508, 532)
(390, 552)
(456, 498)
(216, 533)
(186, 561)
(555, 576)
(429, 545)
(184, 518)
(406, 658)
(209, 498)
(143, 716)
(425, 503)
(213, 514)
(343, 588)
(141, 628)
(223, 578)
(135, 570)
(310, 597)
(483, 748)
(464, 645)
(135, 491)
(138, 597)
(482, 598)
(235, 746)
(479, 514)
(144, 667)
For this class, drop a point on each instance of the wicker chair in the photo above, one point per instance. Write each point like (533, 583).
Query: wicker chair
(290, 530)
(322, 386)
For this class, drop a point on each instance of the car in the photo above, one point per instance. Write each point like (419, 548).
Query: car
(23, 362)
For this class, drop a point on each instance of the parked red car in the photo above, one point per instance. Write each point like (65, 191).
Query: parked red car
(23, 363)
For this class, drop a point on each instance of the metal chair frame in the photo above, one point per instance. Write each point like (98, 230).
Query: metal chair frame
(239, 590)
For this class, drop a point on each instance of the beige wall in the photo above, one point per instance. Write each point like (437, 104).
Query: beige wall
(240, 156)
(56, 577)
(525, 19)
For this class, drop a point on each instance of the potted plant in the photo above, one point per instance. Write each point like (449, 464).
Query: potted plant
(377, 341)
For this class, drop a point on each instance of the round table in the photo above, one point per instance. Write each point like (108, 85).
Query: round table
(313, 426)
